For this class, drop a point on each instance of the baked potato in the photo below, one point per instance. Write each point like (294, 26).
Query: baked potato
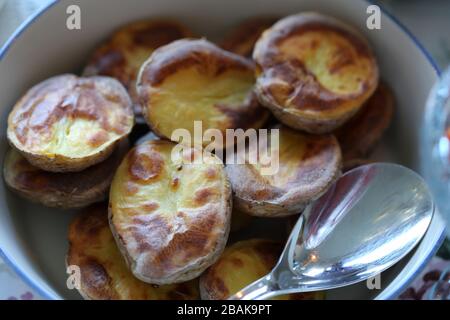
(67, 123)
(61, 190)
(361, 133)
(308, 165)
(241, 264)
(314, 71)
(170, 215)
(194, 80)
(241, 40)
(122, 55)
(104, 273)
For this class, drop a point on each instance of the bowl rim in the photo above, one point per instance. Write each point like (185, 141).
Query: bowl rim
(47, 295)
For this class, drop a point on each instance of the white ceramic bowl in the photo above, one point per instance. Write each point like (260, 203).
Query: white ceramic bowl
(33, 238)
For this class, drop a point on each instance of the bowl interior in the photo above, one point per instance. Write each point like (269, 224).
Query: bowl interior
(33, 238)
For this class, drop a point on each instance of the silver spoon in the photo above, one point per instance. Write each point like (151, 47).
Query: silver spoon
(365, 223)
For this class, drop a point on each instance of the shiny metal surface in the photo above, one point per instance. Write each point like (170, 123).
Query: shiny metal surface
(435, 144)
(365, 223)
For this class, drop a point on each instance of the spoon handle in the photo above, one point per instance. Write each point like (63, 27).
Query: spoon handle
(259, 290)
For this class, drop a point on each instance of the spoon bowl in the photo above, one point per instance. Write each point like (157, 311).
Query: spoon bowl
(366, 222)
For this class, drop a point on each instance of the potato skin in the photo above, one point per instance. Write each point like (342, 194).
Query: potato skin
(104, 273)
(170, 218)
(361, 133)
(241, 264)
(67, 123)
(314, 72)
(194, 80)
(241, 40)
(308, 165)
(122, 55)
(61, 190)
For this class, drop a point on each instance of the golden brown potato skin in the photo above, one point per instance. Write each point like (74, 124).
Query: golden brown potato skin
(170, 218)
(308, 165)
(61, 190)
(362, 132)
(122, 55)
(241, 264)
(241, 40)
(150, 136)
(314, 72)
(104, 273)
(67, 123)
(194, 80)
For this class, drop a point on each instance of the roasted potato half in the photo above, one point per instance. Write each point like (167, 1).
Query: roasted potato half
(361, 133)
(122, 55)
(67, 123)
(194, 80)
(241, 264)
(61, 190)
(170, 215)
(314, 71)
(241, 40)
(307, 166)
(104, 273)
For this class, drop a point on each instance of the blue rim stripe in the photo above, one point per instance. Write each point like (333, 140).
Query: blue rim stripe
(415, 274)
(410, 35)
(436, 68)
(9, 261)
(23, 26)
(28, 22)
(31, 283)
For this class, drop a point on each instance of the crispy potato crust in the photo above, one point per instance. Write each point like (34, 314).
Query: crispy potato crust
(241, 40)
(191, 80)
(62, 190)
(308, 165)
(104, 273)
(170, 218)
(241, 264)
(315, 72)
(122, 55)
(361, 133)
(67, 124)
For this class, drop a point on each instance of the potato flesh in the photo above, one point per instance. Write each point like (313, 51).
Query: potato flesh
(122, 281)
(162, 189)
(122, 284)
(175, 196)
(331, 58)
(243, 263)
(190, 95)
(238, 278)
(290, 151)
(68, 137)
(70, 116)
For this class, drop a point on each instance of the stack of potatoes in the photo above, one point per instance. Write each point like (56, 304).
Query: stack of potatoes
(164, 232)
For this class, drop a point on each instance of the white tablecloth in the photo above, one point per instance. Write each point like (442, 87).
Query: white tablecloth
(428, 20)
